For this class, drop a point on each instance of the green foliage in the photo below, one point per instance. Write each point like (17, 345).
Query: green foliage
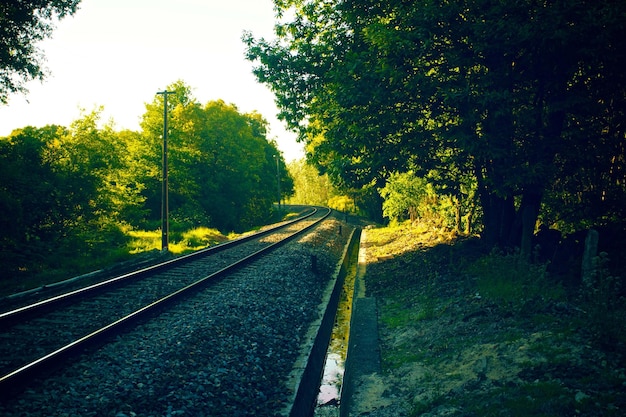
(22, 25)
(342, 203)
(49, 192)
(82, 188)
(203, 237)
(523, 99)
(310, 187)
(181, 242)
(62, 194)
(403, 194)
(222, 168)
(407, 196)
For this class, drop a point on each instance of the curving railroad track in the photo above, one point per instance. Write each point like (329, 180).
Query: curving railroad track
(38, 338)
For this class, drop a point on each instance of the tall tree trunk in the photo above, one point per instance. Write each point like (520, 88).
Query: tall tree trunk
(529, 211)
(499, 214)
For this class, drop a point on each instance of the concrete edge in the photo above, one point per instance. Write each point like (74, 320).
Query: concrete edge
(307, 372)
(363, 355)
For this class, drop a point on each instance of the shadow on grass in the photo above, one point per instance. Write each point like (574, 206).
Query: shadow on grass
(465, 331)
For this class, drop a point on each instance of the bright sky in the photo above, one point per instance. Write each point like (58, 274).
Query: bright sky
(120, 53)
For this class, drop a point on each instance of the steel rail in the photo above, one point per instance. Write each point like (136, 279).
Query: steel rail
(10, 317)
(18, 379)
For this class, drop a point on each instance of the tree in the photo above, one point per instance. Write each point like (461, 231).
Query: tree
(499, 91)
(310, 187)
(403, 194)
(407, 196)
(237, 166)
(222, 168)
(126, 182)
(22, 24)
(49, 193)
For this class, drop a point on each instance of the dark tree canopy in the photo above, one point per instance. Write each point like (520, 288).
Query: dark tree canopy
(23, 23)
(527, 98)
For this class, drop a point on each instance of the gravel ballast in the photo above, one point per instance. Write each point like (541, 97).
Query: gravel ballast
(225, 352)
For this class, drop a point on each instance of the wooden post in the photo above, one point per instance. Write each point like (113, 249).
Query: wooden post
(591, 251)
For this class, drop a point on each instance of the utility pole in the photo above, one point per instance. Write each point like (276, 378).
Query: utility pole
(278, 179)
(165, 226)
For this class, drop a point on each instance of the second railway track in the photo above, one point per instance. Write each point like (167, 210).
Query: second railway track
(32, 333)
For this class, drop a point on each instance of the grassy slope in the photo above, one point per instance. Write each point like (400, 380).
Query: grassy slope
(125, 246)
(466, 334)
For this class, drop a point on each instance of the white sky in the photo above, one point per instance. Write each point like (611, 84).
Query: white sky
(119, 53)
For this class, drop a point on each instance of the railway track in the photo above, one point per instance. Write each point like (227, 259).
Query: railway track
(37, 338)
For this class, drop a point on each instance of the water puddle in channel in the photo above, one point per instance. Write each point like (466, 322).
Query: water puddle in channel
(330, 388)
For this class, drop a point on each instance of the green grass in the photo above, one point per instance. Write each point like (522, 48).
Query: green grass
(112, 244)
(181, 242)
(538, 399)
(512, 282)
(547, 354)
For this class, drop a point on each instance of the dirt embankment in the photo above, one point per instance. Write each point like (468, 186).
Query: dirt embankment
(461, 334)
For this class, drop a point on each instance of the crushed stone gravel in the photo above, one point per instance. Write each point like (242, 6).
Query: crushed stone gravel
(224, 352)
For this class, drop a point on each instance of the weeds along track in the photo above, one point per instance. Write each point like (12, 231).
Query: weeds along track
(37, 338)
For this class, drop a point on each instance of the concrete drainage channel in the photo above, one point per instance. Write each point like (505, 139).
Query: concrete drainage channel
(307, 375)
